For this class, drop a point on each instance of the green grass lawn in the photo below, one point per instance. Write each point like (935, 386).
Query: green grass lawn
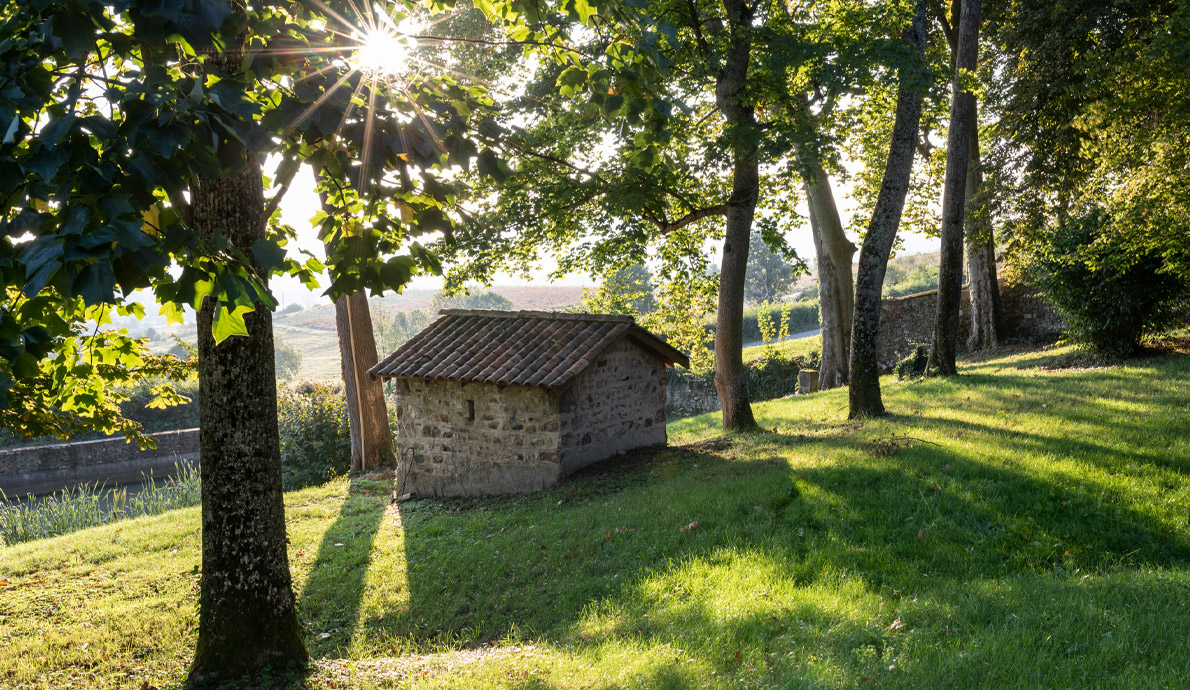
(787, 349)
(1019, 526)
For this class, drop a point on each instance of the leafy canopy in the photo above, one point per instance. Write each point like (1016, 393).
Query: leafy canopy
(108, 120)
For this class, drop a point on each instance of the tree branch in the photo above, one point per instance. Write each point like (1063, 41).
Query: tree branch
(487, 42)
(703, 46)
(924, 147)
(937, 8)
(694, 216)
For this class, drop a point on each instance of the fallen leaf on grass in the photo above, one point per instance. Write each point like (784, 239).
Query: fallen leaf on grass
(896, 625)
(687, 528)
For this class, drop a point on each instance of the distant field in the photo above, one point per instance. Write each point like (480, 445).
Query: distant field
(312, 330)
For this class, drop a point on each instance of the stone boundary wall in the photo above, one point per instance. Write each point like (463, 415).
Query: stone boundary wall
(909, 320)
(46, 469)
(905, 322)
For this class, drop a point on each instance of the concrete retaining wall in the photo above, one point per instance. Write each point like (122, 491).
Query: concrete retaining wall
(45, 469)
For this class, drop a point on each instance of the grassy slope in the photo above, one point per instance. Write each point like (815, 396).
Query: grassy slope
(1024, 528)
(787, 349)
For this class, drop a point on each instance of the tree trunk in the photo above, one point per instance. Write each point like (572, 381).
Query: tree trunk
(247, 618)
(836, 297)
(730, 375)
(864, 389)
(954, 196)
(984, 289)
(371, 437)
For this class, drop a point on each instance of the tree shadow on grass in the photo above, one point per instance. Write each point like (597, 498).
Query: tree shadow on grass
(532, 566)
(980, 561)
(485, 569)
(995, 553)
(330, 600)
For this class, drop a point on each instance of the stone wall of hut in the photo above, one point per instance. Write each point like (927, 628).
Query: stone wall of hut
(476, 438)
(616, 405)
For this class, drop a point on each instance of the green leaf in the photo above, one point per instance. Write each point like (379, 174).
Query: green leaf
(173, 313)
(489, 164)
(270, 254)
(25, 366)
(229, 323)
(95, 283)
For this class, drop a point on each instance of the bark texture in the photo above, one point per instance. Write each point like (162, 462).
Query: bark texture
(864, 390)
(954, 196)
(730, 375)
(836, 296)
(371, 437)
(247, 617)
(981, 259)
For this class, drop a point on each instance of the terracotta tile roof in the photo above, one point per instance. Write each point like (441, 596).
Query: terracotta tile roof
(524, 348)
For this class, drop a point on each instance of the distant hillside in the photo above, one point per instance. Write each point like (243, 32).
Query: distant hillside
(543, 297)
(312, 330)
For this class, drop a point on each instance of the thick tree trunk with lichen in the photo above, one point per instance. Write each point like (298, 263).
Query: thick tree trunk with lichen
(954, 197)
(247, 615)
(864, 389)
(836, 296)
(981, 259)
(367, 415)
(247, 618)
(730, 374)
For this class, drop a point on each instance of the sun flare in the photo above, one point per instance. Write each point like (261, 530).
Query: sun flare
(381, 51)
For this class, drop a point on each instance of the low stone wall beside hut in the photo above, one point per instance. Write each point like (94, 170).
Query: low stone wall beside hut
(909, 320)
(45, 469)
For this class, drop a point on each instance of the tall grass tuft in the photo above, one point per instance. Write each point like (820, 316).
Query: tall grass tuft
(90, 505)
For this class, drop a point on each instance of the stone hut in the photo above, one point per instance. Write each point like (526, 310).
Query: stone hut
(505, 401)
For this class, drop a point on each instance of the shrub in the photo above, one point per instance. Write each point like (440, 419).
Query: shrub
(913, 366)
(918, 280)
(315, 434)
(287, 359)
(772, 375)
(1110, 295)
(803, 316)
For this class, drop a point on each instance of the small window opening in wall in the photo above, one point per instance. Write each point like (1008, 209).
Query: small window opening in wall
(470, 410)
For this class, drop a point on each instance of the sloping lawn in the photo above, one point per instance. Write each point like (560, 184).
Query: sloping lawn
(1014, 527)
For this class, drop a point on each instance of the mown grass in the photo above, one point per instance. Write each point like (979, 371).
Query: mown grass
(1019, 526)
(787, 349)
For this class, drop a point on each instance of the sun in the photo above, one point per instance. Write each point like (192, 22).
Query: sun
(381, 51)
